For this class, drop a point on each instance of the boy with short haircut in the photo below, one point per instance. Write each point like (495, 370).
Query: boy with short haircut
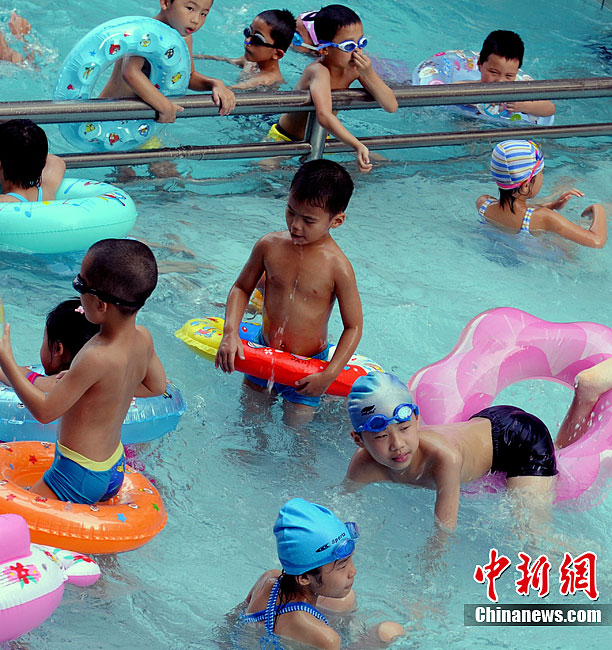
(93, 397)
(266, 40)
(394, 447)
(305, 271)
(500, 58)
(340, 43)
(129, 77)
(28, 172)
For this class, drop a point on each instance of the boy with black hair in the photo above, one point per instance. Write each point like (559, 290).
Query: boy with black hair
(28, 172)
(266, 40)
(305, 272)
(340, 43)
(500, 58)
(93, 397)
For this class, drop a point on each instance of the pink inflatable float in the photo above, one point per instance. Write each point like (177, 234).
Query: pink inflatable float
(503, 346)
(32, 578)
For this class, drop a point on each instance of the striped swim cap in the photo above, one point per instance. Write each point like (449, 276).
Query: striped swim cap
(514, 162)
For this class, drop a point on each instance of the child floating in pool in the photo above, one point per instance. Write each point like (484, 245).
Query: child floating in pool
(66, 332)
(315, 550)
(20, 28)
(93, 397)
(394, 447)
(516, 166)
(28, 172)
(130, 74)
(342, 61)
(266, 41)
(305, 272)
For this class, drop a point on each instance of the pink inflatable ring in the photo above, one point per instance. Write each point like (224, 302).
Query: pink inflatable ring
(503, 346)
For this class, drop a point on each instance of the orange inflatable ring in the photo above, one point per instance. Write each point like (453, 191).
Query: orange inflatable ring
(123, 523)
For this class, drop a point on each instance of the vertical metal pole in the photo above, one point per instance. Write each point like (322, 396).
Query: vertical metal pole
(315, 134)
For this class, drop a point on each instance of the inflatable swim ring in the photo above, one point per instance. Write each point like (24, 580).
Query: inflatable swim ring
(204, 336)
(32, 578)
(123, 523)
(462, 65)
(164, 48)
(148, 418)
(82, 213)
(503, 346)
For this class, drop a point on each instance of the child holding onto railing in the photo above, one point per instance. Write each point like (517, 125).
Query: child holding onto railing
(266, 40)
(342, 61)
(516, 166)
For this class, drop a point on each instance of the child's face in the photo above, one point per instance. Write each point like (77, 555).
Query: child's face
(308, 223)
(335, 55)
(255, 52)
(395, 446)
(186, 16)
(336, 579)
(497, 68)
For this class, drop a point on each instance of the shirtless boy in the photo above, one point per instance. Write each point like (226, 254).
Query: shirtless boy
(267, 39)
(92, 398)
(394, 447)
(129, 77)
(342, 61)
(305, 272)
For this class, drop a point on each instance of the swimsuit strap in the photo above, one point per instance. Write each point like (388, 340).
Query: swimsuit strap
(483, 208)
(526, 220)
(17, 196)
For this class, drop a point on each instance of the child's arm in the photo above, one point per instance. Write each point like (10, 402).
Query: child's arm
(210, 57)
(446, 464)
(352, 319)
(52, 176)
(237, 301)
(155, 381)
(594, 237)
(320, 91)
(539, 108)
(257, 81)
(373, 83)
(562, 200)
(131, 70)
(42, 382)
(7, 53)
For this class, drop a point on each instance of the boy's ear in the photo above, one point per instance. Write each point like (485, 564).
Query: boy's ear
(357, 439)
(278, 54)
(337, 220)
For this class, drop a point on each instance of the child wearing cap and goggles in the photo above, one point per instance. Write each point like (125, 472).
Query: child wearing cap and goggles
(393, 446)
(339, 41)
(315, 549)
(266, 40)
(516, 167)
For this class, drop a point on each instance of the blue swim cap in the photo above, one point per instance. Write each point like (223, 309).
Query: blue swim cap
(377, 393)
(309, 536)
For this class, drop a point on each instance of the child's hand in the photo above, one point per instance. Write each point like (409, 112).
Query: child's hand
(168, 115)
(565, 197)
(230, 346)
(313, 385)
(6, 351)
(363, 158)
(224, 98)
(362, 63)
(19, 26)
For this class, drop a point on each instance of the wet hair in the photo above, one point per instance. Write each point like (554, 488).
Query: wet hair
(125, 268)
(289, 588)
(506, 44)
(282, 22)
(23, 152)
(330, 19)
(324, 184)
(508, 197)
(67, 325)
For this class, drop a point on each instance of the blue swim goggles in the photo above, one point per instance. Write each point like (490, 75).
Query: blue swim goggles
(377, 422)
(345, 46)
(345, 547)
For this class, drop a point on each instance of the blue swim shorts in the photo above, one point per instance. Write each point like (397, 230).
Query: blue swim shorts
(289, 392)
(77, 479)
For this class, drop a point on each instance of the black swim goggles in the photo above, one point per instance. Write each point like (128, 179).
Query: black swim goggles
(80, 286)
(254, 38)
(378, 422)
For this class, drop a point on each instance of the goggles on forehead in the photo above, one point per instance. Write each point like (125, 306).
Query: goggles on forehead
(80, 286)
(345, 46)
(378, 422)
(255, 38)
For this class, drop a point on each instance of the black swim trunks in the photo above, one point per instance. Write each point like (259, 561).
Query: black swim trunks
(522, 445)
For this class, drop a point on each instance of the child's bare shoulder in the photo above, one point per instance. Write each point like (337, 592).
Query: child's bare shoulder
(364, 469)
(301, 625)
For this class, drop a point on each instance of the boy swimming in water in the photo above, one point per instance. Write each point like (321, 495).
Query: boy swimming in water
(305, 272)
(92, 398)
(266, 41)
(393, 446)
(130, 74)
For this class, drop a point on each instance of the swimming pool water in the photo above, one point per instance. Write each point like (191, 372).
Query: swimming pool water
(425, 266)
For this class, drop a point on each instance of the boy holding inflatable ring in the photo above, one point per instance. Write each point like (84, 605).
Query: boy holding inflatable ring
(129, 76)
(92, 398)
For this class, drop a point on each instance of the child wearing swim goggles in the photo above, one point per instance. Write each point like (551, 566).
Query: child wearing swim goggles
(338, 39)
(517, 168)
(315, 549)
(266, 40)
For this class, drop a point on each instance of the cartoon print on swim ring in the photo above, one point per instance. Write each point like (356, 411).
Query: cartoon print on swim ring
(503, 346)
(160, 44)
